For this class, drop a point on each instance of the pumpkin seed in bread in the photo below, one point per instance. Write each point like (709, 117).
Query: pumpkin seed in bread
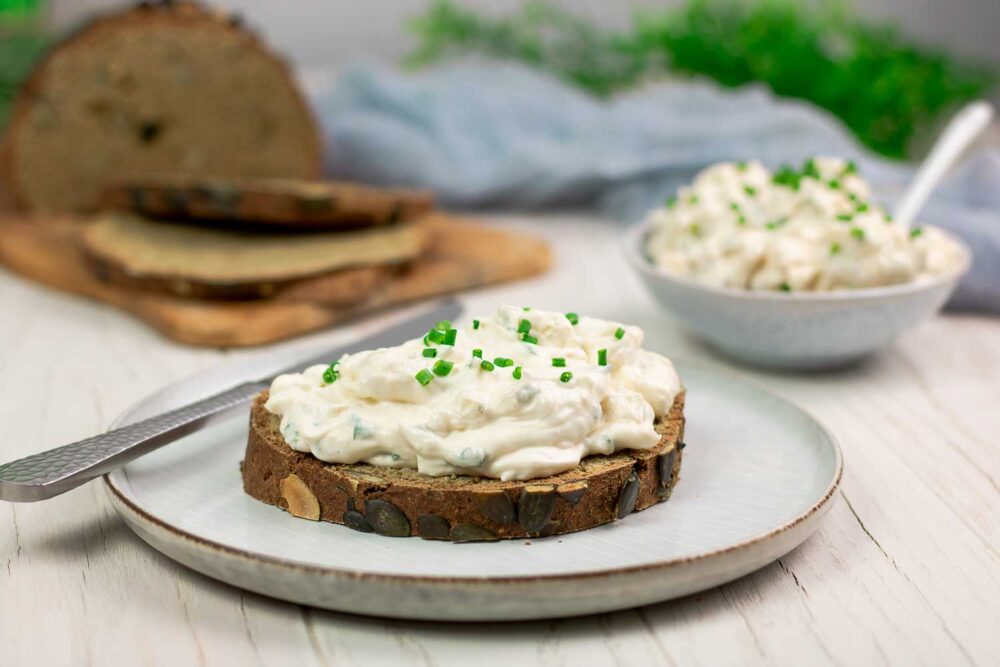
(217, 263)
(268, 202)
(159, 87)
(401, 502)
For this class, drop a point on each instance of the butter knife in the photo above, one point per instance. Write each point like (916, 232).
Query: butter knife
(56, 471)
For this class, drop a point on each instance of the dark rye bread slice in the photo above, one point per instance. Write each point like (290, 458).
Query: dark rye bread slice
(268, 202)
(207, 263)
(402, 502)
(162, 87)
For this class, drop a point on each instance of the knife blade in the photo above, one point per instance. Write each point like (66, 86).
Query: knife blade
(56, 471)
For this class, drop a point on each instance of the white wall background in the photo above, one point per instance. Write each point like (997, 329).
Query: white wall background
(322, 32)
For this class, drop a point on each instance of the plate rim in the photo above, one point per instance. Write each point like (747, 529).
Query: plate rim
(119, 499)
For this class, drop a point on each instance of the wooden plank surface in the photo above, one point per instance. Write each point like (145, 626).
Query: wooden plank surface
(905, 569)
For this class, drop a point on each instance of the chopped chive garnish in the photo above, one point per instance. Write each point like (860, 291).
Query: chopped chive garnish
(693, 199)
(478, 353)
(834, 248)
(503, 362)
(671, 202)
(430, 352)
(620, 333)
(786, 176)
(734, 206)
(834, 184)
(443, 325)
(810, 169)
(435, 336)
(529, 339)
(558, 362)
(694, 229)
(517, 373)
(862, 207)
(742, 220)
(441, 367)
(424, 377)
(845, 217)
(573, 318)
(330, 375)
(858, 233)
(851, 168)
(742, 166)
(427, 340)
(915, 232)
(524, 326)
(750, 190)
(774, 224)
(785, 287)
(526, 308)
(602, 357)
(566, 377)
(486, 365)
(475, 324)
(450, 336)
(853, 197)
(888, 218)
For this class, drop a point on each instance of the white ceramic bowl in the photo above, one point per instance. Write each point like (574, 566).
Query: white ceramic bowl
(796, 330)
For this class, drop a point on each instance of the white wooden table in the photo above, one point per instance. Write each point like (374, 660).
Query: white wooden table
(904, 571)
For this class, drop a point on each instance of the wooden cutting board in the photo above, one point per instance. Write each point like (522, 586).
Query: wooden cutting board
(464, 255)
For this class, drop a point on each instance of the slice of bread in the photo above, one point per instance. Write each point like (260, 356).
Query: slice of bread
(171, 87)
(270, 202)
(400, 502)
(217, 263)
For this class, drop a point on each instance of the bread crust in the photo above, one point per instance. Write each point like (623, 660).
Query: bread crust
(401, 502)
(182, 15)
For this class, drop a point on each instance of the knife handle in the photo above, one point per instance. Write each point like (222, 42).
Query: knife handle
(59, 470)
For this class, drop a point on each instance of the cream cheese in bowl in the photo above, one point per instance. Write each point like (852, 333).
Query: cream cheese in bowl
(797, 268)
(515, 396)
(812, 229)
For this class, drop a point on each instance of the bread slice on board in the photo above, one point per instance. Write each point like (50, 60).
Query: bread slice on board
(269, 202)
(171, 87)
(401, 502)
(462, 255)
(219, 263)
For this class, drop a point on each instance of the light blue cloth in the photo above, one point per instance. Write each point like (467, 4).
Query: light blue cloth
(497, 135)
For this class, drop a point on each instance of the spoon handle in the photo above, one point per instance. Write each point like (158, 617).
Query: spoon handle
(961, 131)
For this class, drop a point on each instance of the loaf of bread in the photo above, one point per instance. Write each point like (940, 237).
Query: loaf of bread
(400, 502)
(169, 87)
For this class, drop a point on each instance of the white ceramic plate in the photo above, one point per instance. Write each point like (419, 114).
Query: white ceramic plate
(757, 477)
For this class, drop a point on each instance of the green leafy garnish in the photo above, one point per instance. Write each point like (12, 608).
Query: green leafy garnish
(517, 373)
(475, 324)
(845, 217)
(434, 336)
(858, 233)
(602, 357)
(450, 336)
(503, 362)
(527, 338)
(566, 377)
(573, 318)
(750, 190)
(331, 375)
(486, 365)
(671, 202)
(478, 353)
(524, 326)
(558, 362)
(835, 248)
(430, 352)
(785, 287)
(619, 333)
(915, 232)
(424, 377)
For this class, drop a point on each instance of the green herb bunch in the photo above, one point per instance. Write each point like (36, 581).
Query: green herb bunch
(882, 86)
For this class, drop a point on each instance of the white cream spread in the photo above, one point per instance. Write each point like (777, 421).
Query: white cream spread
(519, 395)
(817, 228)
